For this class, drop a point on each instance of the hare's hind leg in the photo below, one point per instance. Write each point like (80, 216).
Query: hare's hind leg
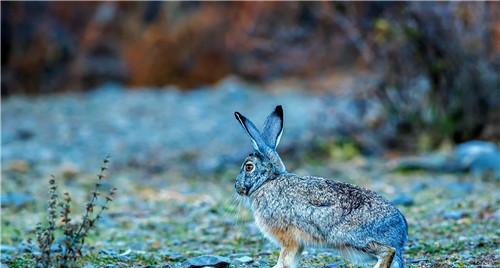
(385, 254)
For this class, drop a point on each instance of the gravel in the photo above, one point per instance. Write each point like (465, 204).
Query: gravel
(158, 128)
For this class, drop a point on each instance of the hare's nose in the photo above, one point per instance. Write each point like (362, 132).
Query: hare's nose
(241, 189)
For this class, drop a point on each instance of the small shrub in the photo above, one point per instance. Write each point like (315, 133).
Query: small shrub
(440, 78)
(59, 222)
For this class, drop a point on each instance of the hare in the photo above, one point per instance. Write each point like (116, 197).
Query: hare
(299, 211)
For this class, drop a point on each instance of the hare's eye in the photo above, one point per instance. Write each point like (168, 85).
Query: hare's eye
(249, 167)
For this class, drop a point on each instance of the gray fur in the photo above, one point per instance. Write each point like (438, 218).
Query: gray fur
(273, 128)
(266, 143)
(315, 211)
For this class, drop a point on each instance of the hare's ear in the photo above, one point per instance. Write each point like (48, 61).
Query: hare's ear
(273, 128)
(253, 132)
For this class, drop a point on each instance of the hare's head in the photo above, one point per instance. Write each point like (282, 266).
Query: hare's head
(264, 164)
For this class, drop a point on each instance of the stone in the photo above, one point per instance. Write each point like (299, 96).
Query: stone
(454, 214)
(334, 265)
(7, 249)
(170, 255)
(244, 259)
(68, 170)
(15, 199)
(479, 157)
(432, 162)
(403, 200)
(20, 166)
(208, 261)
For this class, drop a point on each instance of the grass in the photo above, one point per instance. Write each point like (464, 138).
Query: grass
(166, 218)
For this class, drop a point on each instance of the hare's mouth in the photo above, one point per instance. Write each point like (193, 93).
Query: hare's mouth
(248, 189)
(242, 190)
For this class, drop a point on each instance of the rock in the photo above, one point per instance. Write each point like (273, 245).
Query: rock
(419, 186)
(68, 170)
(5, 259)
(7, 249)
(262, 263)
(496, 215)
(460, 188)
(125, 253)
(208, 261)
(454, 215)
(6, 252)
(244, 259)
(334, 265)
(20, 166)
(403, 200)
(170, 255)
(424, 260)
(432, 162)
(28, 248)
(479, 157)
(56, 247)
(24, 134)
(15, 199)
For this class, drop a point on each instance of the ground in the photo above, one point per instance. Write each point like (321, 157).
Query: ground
(166, 217)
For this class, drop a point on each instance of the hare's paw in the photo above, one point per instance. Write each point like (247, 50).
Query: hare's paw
(385, 255)
(281, 265)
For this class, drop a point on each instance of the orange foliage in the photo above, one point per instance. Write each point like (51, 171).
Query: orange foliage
(53, 46)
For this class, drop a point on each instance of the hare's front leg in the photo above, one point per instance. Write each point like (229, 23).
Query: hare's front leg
(289, 256)
(385, 255)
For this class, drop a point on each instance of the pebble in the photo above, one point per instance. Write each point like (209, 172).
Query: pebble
(19, 166)
(15, 199)
(480, 157)
(171, 255)
(245, 259)
(403, 200)
(433, 162)
(5, 253)
(7, 249)
(208, 261)
(459, 188)
(454, 214)
(333, 265)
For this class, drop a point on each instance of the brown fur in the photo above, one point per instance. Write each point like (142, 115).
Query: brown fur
(298, 211)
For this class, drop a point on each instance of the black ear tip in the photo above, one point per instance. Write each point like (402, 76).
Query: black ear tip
(279, 109)
(238, 116)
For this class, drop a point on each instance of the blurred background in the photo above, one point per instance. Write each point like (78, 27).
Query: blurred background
(365, 87)
(433, 68)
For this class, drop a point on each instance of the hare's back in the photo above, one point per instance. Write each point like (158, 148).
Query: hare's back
(324, 192)
(340, 209)
(335, 202)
